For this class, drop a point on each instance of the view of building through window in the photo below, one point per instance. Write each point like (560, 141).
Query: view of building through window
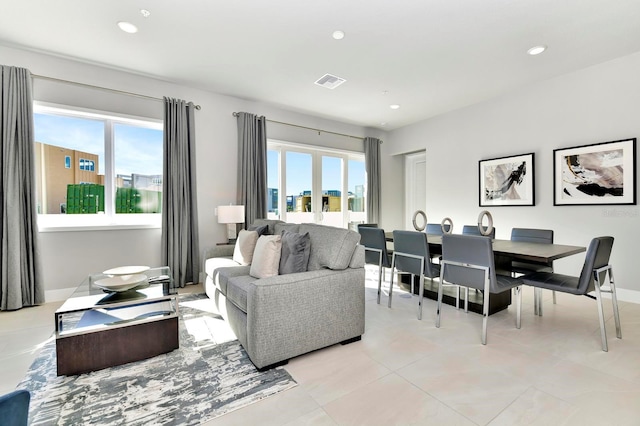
(74, 176)
(316, 183)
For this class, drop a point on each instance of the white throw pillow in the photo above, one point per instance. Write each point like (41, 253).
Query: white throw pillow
(245, 245)
(266, 257)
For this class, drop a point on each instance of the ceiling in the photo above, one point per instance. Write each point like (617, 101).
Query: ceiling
(428, 56)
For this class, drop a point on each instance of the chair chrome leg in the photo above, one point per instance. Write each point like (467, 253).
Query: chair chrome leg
(380, 272)
(413, 291)
(421, 297)
(539, 301)
(535, 301)
(466, 300)
(614, 299)
(603, 330)
(393, 269)
(458, 297)
(485, 308)
(518, 291)
(554, 297)
(439, 305)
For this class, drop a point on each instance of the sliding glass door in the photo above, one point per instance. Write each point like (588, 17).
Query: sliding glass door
(320, 185)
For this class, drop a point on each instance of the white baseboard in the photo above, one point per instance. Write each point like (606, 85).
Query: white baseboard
(58, 295)
(625, 295)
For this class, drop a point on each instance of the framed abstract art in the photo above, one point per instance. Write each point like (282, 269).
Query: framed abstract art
(507, 181)
(598, 174)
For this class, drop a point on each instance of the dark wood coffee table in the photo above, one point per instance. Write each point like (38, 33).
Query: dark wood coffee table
(97, 329)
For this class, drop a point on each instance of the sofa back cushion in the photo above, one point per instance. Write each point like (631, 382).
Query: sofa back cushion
(295, 252)
(271, 223)
(266, 257)
(291, 227)
(245, 244)
(331, 247)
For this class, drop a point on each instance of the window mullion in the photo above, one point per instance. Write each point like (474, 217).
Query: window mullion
(109, 172)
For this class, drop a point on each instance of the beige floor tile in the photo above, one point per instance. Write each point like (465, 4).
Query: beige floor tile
(535, 408)
(315, 418)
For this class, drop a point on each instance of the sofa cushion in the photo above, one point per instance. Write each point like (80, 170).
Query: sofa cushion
(271, 223)
(291, 227)
(266, 256)
(237, 290)
(246, 243)
(260, 229)
(331, 247)
(223, 274)
(213, 263)
(295, 252)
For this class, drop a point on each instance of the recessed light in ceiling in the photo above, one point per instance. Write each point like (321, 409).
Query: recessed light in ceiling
(394, 106)
(145, 13)
(127, 27)
(536, 50)
(383, 124)
(338, 35)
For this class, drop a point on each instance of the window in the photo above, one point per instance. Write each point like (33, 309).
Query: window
(321, 185)
(118, 177)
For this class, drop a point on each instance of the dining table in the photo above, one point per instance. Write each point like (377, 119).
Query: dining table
(505, 251)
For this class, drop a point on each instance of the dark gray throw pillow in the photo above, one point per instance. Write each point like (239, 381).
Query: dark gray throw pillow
(261, 230)
(294, 256)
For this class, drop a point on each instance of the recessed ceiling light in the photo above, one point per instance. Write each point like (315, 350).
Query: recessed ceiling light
(536, 50)
(383, 124)
(127, 27)
(145, 13)
(338, 35)
(394, 106)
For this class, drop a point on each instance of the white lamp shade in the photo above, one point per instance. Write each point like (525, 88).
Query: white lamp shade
(231, 214)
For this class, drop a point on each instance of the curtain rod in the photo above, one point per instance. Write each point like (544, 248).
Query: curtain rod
(235, 114)
(107, 89)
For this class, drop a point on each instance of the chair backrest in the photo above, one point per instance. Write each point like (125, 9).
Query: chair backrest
(530, 235)
(436, 228)
(468, 249)
(14, 408)
(415, 243)
(367, 225)
(372, 237)
(473, 230)
(597, 256)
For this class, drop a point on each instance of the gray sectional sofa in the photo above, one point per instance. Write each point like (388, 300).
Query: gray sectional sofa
(283, 316)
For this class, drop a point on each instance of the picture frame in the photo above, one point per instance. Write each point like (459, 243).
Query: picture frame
(598, 174)
(507, 181)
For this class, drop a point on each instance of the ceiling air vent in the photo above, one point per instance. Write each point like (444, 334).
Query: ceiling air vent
(330, 81)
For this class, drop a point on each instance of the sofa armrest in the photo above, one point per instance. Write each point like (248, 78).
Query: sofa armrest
(289, 315)
(222, 250)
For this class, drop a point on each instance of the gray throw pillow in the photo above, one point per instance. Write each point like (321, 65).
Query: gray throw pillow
(295, 252)
(261, 230)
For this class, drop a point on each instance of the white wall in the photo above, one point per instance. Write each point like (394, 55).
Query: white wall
(68, 257)
(597, 104)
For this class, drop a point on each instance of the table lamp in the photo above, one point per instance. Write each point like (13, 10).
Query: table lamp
(231, 215)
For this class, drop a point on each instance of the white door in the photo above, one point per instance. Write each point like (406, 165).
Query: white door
(415, 167)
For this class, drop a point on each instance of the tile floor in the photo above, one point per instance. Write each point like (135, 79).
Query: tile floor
(407, 372)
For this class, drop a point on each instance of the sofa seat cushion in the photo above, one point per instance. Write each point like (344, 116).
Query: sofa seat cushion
(237, 290)
(223, 274)
(213, 263)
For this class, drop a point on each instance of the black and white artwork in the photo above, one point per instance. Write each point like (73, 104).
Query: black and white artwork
(507, 181)
(603, 173)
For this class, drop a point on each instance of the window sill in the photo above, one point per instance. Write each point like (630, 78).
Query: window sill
(71, 223)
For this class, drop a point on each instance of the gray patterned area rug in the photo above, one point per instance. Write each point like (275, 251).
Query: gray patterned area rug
(209, 375)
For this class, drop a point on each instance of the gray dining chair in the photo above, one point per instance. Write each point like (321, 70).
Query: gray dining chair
(436, 228)
(411, 256)
(376, 253)
(594, 272)
(521, 267)
(473, 230)
(468, 261)
(14, 408)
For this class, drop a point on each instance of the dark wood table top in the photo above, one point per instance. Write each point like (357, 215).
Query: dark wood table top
(537, 252)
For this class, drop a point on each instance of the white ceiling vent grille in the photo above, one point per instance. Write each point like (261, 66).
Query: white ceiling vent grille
(330, 81)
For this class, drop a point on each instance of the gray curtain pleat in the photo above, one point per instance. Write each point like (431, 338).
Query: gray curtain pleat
(372, 166)
(252, 166)
(180, 248)
(20, 271)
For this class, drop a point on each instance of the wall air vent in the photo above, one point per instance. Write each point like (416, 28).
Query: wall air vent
(330, 81)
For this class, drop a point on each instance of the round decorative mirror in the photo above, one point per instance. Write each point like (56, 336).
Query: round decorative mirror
(415, 221)
(447, 222)
(489, 229)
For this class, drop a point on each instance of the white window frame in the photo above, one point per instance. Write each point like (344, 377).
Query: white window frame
(316, 152)
(109, 220)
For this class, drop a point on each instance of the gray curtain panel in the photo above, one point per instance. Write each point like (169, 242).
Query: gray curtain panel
(372, 166)
(179, 244)
(252, 166)
(21, 276)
